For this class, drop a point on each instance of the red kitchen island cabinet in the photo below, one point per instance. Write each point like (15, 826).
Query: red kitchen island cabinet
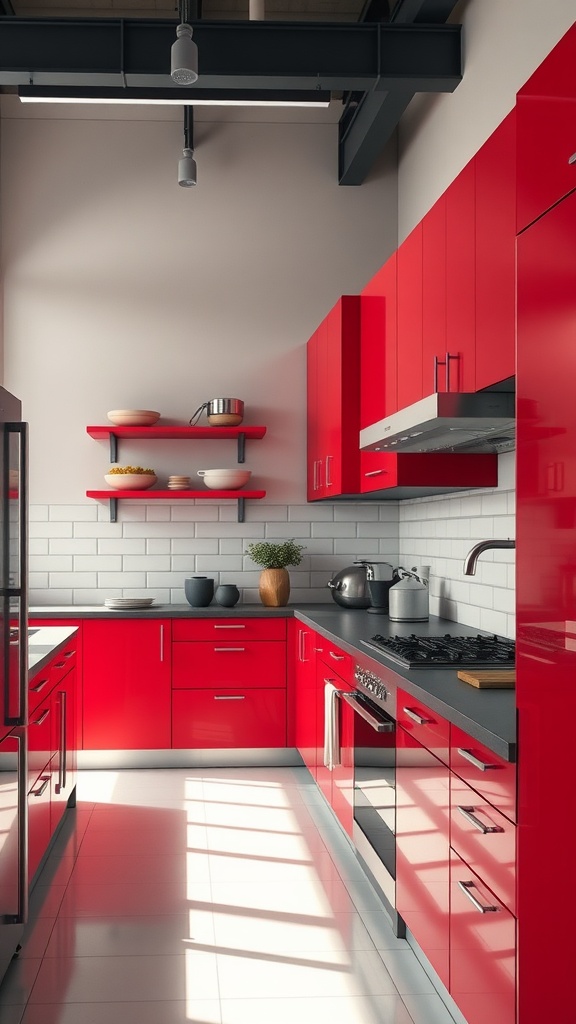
(127, 668)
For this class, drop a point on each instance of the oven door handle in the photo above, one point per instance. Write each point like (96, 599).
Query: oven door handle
(377, 723)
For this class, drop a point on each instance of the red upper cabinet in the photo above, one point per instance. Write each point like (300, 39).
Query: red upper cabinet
(460, 200)
(409, 296)
(495, 220)
(434, 361)
(546, 112)
(333, 400)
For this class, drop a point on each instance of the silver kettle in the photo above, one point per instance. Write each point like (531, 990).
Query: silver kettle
(408, 599)
(349, 587)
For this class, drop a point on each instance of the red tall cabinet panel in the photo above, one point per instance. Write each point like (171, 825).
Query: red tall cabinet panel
(546, 605)
(434, 299)
(495, 255)
(378, 379)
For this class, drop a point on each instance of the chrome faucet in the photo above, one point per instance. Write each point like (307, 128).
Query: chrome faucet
(484, 545)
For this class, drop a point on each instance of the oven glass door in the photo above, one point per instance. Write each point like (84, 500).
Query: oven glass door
(374, 779)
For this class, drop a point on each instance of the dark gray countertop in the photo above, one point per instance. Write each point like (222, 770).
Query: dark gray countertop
(489, 716)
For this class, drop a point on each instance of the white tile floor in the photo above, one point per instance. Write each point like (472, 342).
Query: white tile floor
(209, 896)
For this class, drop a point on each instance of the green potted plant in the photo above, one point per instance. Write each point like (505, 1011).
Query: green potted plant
(274, 586)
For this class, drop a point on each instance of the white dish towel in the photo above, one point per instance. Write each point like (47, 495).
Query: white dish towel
(331, 727)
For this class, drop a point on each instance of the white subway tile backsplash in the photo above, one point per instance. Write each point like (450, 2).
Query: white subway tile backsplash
(97, 563)
(154, 547)
(72, 546)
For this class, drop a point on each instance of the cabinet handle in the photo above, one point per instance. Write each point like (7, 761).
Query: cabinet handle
(484, 908)
(328, 477)
(468, 813)
(238, 697)
(228, 626)
(315, 481)
(63, 752)
(44, 781)
(468, 756)
(69, 654)
(39, 686)
(374, 472)
(337, 657)
(318, 650)
(449, 356)
(302, 645)
(572, 159)
(161, 643)
(416, 717)
(59, 664)
(224, 650)
(437, 364)
(42, 718)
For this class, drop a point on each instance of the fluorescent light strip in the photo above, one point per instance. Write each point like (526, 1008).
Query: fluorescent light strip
(31, 94)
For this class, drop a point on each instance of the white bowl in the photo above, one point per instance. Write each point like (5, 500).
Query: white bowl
(133, 417)
(225, 479)
(130, 481)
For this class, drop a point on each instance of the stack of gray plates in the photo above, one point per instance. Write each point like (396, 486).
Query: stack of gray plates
(126, 603)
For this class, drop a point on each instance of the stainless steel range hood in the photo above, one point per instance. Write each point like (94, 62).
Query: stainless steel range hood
(481, 421)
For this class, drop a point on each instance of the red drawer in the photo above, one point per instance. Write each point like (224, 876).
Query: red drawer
(63, 662)
(428, 728)
(337, 660)
(224, 718)
(485, 839)
(482, 950)
(39, 688)
(228, 663)
(226, 629)
(490, 775)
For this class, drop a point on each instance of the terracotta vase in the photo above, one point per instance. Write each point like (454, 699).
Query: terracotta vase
(274, 587)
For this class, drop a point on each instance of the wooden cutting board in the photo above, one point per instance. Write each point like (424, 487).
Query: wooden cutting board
(503, 678)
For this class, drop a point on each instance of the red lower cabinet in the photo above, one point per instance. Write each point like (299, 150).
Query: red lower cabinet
(126, 684)
(482, 949)
(39, 830)
(304, 667)
(423, 849)
(227, 718)
(64, 762)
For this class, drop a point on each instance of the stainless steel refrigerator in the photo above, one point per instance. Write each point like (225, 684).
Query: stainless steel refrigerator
(13, 676)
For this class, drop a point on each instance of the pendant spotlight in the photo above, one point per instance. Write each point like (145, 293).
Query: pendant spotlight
(187, 173)
(184, 53)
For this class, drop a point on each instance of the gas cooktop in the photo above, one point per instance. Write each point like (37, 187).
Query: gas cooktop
(427, 651)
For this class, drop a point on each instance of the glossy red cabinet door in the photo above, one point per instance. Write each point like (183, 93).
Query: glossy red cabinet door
(485, 839)
(245, 663)
(65, 742)
(334, 402)
(305, 694)
(490, 775)
(223, 719)
(546, 111)
(482, 951)
(422, 848)
(378, 360)
(495, 168)
(435, 374)
(410, 318)
(546, 598)
(126, 684)
(460, 199)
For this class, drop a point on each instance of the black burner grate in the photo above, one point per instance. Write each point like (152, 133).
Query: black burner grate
(414, 650)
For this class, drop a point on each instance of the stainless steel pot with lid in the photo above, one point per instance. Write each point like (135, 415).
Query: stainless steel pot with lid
(221, 412)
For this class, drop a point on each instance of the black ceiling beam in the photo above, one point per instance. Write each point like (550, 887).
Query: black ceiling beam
(364, 133)
(232, 55)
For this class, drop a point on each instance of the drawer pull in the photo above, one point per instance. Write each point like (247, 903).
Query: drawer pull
(239, 626)
(572, 159)
(468, 813)
(39, 686)
(69, 654)
(42, 718)
(484, 908)
(468, 756)
(236, 697)
(59, 664)
(44, 781)
(319, 650)
(337, 657)
(416, 717)
(224, 650)
(374, 472)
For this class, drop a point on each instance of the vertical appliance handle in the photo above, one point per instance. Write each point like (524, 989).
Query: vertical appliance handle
(19, 429)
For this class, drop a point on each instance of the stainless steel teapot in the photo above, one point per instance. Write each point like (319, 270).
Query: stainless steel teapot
(408, 599)
(349, 586)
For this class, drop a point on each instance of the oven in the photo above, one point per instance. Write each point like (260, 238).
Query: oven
(373, 789)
